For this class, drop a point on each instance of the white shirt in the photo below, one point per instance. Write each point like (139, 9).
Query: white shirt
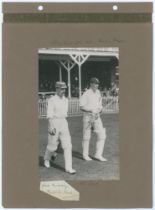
(91, 100)
(57, 107)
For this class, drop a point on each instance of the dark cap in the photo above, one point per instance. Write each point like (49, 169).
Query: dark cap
(60, 85)
(94, 80)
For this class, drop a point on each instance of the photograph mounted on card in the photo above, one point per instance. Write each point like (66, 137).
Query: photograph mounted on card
(88, 78)
(77, 83)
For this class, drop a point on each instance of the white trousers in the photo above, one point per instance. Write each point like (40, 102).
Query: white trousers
(62, 133)
(100, 132)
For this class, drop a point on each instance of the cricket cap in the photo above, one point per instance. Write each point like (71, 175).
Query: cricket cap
(94, 80)
(60, 85)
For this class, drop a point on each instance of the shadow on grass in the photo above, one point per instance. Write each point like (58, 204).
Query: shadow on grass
(41, 164)
(77, 155)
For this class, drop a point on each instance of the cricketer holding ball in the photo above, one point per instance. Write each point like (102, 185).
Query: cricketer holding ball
(58, 128)
(91, 105)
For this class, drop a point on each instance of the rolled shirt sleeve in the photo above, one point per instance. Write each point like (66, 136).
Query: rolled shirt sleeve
(83, 100)
(50, 108)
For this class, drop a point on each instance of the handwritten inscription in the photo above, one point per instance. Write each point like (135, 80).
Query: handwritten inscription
(59, 189)
(88, 42)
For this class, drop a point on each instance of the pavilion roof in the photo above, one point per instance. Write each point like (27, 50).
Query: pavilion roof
(113, 51)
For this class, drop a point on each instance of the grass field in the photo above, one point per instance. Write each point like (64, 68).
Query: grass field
(86, 170)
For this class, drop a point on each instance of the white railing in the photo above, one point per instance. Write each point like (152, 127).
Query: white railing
(42, 107)
(74, 108)
(110, 105)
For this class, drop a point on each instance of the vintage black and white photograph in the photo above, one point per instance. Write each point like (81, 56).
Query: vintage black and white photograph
(78, 114)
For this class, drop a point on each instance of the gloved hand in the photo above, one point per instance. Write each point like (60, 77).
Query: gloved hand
(52, 131)
(96, 111)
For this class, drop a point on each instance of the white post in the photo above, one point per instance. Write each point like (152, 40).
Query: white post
(68, 65)
(60, 74)
(79, 80)
(69, 84)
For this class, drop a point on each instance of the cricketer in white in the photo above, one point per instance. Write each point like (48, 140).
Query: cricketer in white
(91, 105)
(58, 128)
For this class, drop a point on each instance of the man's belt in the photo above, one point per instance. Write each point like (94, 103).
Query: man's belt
(86, 111)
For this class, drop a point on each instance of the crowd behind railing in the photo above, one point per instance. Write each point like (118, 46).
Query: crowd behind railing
(110, 105)
(110, 98)
(106, 92)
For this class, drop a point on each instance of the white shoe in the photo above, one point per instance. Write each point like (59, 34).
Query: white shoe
(71, 171)
(47, 163)
(87, 158)
(100, 158)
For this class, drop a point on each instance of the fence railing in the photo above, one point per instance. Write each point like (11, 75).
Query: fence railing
(110, 105)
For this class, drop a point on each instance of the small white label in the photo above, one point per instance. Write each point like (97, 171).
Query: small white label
(60, 189)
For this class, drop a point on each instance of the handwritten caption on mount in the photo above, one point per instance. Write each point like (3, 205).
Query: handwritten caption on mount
(60, 189)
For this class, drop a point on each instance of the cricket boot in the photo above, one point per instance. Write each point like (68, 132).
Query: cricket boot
(99, 150)
(47, 158)
(47, 163)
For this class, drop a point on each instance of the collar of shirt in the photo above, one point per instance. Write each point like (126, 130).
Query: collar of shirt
(59, 98)
(92, 92)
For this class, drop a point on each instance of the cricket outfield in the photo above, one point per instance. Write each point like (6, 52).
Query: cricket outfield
(86, 170)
